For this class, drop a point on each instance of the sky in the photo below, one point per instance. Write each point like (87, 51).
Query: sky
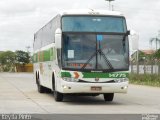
(20, 19)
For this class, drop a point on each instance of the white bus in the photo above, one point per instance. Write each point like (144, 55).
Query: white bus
(84, 52)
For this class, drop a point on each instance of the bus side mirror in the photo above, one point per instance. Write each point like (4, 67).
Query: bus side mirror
(128, 32)
(58, 38)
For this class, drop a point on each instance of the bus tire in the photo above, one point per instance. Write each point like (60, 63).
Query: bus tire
(53, 82)
(108, 96)
(58, 96)
(40, 88)
(47, 90)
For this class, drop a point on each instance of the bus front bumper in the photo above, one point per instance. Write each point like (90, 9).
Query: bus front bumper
(75, 87)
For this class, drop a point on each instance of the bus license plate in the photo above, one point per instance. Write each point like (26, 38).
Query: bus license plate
(96, 88)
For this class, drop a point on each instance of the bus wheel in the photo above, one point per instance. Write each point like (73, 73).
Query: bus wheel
(108, 96)
(58, 96)
(41, 89)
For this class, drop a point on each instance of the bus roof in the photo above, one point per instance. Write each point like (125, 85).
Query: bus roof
(90, 12)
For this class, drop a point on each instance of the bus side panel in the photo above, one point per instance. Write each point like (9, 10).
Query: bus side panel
(45, 52)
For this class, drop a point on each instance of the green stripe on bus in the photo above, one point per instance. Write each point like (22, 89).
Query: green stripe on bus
(66, 74)
(98, 75)
(104, 75)
(95, 75)
(45, 55)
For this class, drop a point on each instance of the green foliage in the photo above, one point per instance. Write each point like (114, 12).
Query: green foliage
(9, 59)
(145, 79)
(157, 54)
(147, 56)
(22, 57)
(141, 54)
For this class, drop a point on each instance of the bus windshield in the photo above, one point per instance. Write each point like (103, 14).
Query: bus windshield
(95, 52)
(93, 24)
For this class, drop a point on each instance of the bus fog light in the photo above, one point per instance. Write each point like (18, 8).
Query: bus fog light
(125, 87)
(66, 87)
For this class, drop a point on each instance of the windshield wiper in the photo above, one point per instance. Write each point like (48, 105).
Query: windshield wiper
(85, 64)
(101, 53)
(106, 59)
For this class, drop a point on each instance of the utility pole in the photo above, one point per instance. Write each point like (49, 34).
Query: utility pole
(110, 7)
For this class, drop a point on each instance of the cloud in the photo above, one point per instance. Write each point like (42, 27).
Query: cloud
(20, 19)
(142, 16)
(16, 7)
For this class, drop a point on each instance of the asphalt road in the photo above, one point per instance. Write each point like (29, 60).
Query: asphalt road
(18, 94)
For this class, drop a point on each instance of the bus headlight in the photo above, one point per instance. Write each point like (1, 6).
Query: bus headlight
(118, 80)
(70, 79)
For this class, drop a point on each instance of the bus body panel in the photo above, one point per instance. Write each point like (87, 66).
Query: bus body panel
(71, 87)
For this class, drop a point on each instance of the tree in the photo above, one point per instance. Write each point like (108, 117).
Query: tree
(22, 57)
(157, 54)
(156, 41)
(7, 60)
(141, 56)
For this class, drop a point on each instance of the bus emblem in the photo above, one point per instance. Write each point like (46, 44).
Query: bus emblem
(96, 79)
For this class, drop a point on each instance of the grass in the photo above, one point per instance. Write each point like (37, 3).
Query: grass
(145, 79)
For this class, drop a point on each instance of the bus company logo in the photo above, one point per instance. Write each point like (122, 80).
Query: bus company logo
(96, 79)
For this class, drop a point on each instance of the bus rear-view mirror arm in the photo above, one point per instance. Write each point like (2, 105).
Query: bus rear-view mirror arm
(128, 32)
